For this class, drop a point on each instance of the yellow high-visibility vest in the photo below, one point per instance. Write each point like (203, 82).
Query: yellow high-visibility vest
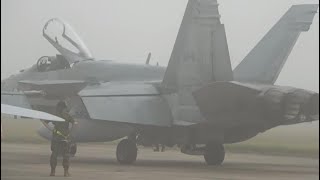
(59, 133)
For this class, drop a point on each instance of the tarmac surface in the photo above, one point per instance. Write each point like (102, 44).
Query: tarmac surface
(96, 161)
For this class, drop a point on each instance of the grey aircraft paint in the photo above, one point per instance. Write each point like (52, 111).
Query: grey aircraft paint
(194, 101)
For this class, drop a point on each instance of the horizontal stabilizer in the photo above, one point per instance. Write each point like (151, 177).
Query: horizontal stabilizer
(232, 103)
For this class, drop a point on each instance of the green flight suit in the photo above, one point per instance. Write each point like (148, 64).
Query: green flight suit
(60, 141)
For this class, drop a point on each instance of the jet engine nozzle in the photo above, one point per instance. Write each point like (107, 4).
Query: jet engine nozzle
(291, 105)
(312, 107)
(266, 106)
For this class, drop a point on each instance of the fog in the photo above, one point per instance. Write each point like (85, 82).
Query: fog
(126, 30)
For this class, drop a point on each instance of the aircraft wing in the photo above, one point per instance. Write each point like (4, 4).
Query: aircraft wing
(18, 111)
(127, 102)
(42, 95)
(112, 101)
(61, 88)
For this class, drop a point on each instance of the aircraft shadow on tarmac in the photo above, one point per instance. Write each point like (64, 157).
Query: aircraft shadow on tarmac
(200, 165)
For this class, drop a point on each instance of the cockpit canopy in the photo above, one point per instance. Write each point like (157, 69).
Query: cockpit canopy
(66, 41)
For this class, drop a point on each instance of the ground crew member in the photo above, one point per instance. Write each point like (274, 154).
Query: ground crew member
(60, 140)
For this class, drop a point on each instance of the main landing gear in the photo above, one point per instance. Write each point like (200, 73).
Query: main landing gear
(214, 154)
(127, 151)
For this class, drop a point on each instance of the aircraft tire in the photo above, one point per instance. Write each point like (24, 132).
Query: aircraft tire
(126, 152)
(214, 154)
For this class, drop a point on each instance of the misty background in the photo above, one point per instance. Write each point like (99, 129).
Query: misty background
(126, 30)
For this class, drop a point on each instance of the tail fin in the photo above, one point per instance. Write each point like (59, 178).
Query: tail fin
(266, 60)
(200, 53)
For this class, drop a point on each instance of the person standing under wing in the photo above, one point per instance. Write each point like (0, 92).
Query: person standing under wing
(60, 140)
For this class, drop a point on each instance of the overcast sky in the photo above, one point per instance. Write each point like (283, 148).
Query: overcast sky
(126, 30)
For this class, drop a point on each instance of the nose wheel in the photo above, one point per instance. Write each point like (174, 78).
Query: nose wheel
(214, 154)
(127, 151)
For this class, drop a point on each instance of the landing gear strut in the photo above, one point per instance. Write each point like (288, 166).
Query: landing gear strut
(214, 154)
(127, 151)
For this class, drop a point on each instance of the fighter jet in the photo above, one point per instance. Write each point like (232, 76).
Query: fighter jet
(197, 103)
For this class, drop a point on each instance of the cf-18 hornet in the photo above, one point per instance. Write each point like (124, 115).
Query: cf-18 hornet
(198, 102)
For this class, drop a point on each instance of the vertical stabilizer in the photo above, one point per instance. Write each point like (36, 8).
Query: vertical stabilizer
(266, 60)
(200, 54)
